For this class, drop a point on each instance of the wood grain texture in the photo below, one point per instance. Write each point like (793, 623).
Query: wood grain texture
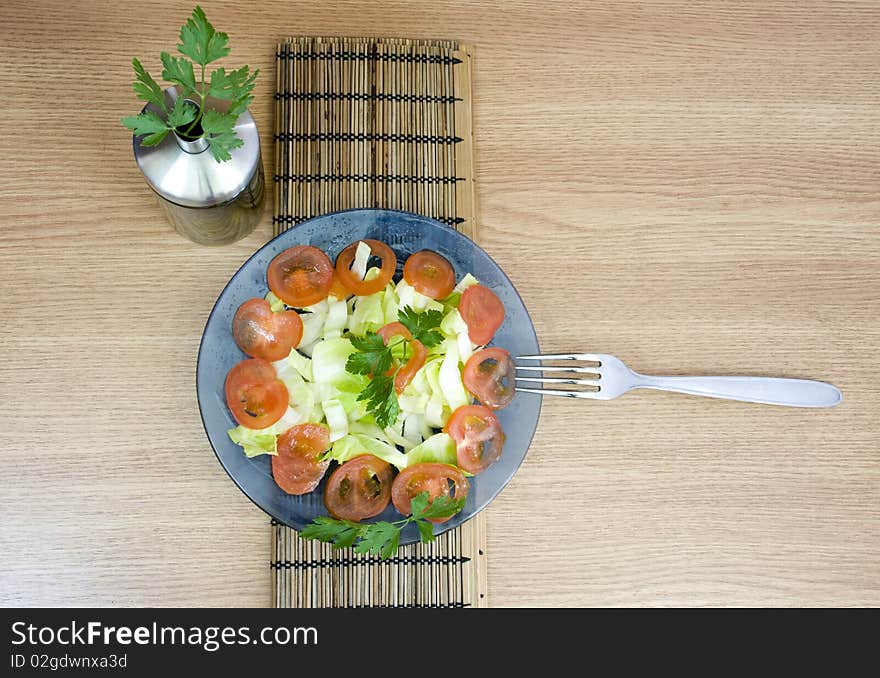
(691, 186)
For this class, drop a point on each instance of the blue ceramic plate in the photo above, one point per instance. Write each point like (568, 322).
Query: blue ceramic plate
(405, 233)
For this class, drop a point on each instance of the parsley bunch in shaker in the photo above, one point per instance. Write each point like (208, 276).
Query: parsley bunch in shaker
(190, 117)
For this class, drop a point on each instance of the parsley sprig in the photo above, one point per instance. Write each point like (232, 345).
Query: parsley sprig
(373, 358)
(383, 538)
(203, 45)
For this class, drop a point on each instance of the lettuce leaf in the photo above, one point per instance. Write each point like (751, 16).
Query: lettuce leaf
(337, 420)
(464, 283)
(439, 448)
(356, 444)
(336, 319)
(361, 258)
(264, 441)
(328, 360)
(451, 383)
(368, 315)
(254, 442)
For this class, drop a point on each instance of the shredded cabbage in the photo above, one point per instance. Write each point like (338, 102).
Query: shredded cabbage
(368, 315)
(439, 448)
(254, 442)
(301, 364)
(337, 419)
(337, 316)
(328, 360)
(450, 378)
(395, 435)
(355, 444)
(275, 304)
(465, 282)
(361, 257)
(390, 304)
(408, 297)
(313, 327)
(264, 441)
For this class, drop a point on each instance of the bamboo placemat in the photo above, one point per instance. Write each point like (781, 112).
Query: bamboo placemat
(376, 122)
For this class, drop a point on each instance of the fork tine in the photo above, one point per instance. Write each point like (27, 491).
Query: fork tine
(559, 368)
(589, 357)
(555, 380)
(559, 392)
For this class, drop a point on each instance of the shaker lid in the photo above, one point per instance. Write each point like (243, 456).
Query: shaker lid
(186, 172)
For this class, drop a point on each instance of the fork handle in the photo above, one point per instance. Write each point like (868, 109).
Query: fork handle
(769, 390)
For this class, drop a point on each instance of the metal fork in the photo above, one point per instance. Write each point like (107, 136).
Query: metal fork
(607, 377)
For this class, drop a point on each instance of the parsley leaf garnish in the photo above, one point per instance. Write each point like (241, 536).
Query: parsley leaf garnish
(374, 359)
(423, 326)
(372, 356)
(200, 45)
(382, 538)
(381, 400)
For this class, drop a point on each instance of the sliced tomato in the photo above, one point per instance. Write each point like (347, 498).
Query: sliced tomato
(483, 313)
(261, 333)
(430, 274)
(254, 394)
(435, 479)
(418, 354)
(489, 375)
(338, 290)
(300, 276)
(394, 329)
(416, 350)
(297, 468)
(478, 437)
(365, 287)
(359, 489)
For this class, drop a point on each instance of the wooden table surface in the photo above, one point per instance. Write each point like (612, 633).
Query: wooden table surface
(691, 186)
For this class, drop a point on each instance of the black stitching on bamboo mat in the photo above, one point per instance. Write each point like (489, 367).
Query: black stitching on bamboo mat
(366, 136)
(366, 560)
(383, 178)
(367, 96)
(300, 218)
(368, 56)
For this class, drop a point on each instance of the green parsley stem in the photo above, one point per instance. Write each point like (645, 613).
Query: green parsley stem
(201, 94)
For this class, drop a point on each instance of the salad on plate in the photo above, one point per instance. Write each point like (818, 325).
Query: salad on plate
(385, 387)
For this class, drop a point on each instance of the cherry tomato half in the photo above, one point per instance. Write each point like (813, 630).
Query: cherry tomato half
(297, 468)
(435, 479)
(365, 287)
(482, 312)
(254, 394)
(489, 375)
(478, 437)
(360, 488)
(394, 329)
(430, 274)
(263, 334)
(338, 290)
(300, 276)
(418, 354)
(416, 350)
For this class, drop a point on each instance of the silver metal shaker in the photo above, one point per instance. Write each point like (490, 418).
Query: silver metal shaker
(209, 202)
